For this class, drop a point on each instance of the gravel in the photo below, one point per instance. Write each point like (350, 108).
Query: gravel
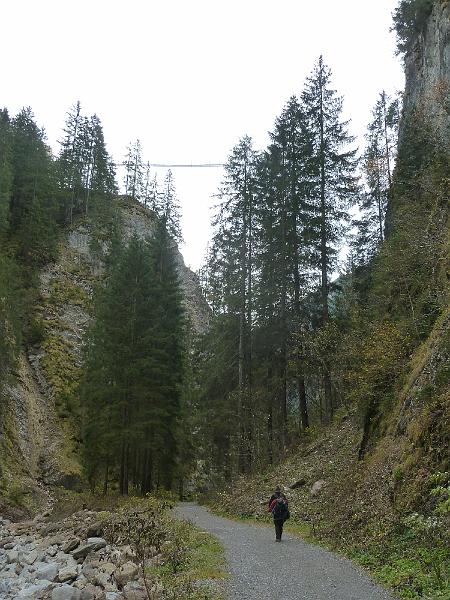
(261, 569)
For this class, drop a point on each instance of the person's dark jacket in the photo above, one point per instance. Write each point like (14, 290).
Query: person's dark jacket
(283, 513)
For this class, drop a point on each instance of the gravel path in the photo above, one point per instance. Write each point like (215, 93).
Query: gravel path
(260, 569)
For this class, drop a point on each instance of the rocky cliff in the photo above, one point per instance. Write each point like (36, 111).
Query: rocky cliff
(40, 437)
(427, 69)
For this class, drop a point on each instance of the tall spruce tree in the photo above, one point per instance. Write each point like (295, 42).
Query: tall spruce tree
(169, 207)
(291, 151)
(33, 209)
(69, 162)
(134, 171)
(333, 186)
(6, 172)
(134, 365)
(233, 248)
(86, 173)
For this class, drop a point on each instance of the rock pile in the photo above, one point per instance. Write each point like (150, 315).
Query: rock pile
(68, 560)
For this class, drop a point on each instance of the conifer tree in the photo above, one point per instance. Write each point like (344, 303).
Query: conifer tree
(291, 151)
(33, 209)
(86, 173)
(233, 251)
(99, 172)
(134, 363)
(378, 162)
(134, 171)
(169, 207)
(6, 173)
(333, 184)
(10, 315)
(70, 160)
(168, 329)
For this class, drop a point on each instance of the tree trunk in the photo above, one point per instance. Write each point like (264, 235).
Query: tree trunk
(328, 407)
(303, 407)
(283, 324)
(106, 480)
(270, 417)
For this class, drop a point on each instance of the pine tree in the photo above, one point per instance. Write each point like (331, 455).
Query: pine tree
(70, 160)
(6, 173)
(10, 315)
(170, 207)
(134, 171)
(33, 210)
(134, 364)
(378, 161)
(291, 151)
(333, 184)
(232, 249)
(86, 172)
(99, 171)
(168, 328)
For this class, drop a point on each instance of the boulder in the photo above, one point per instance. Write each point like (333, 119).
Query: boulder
(31, 557)
(90, 573)
(134, 591)
(94, 529)
(92, 592)
(6, 540)
(21, 527)
(50, 528)
(127, 572)
(12, 556)
(70, 545)
(317, 486)
(91, 545)
(52, 550)
(105, 581)
(34, 591)
(57, 540)
(47, 571)
(66, 592)
(67, 573)
(299, 483)
(9, 545)
(80, 581)
(98, 541)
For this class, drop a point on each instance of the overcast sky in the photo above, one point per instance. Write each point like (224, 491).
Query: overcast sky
(189, 78)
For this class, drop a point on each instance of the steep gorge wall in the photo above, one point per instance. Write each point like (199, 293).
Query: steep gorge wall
(427, 70)
(40, 436)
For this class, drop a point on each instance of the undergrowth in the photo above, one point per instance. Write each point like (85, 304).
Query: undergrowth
(176, 560)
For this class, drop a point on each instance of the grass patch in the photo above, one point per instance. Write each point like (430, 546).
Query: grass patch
(206, 558)
(193, 563)
(405, 565)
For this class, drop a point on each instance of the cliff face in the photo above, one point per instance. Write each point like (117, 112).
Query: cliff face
(40, 438)
(427, 70)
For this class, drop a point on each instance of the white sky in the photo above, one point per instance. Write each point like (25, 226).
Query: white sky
(189, 78)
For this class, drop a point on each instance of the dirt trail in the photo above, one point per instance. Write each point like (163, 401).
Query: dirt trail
(261, 569)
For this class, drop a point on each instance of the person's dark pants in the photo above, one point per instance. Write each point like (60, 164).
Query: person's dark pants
(278, 528)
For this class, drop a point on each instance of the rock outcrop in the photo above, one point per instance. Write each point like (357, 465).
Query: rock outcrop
(427, 70)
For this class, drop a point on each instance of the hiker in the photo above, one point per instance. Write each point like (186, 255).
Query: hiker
(280, 511)
(277, 494)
